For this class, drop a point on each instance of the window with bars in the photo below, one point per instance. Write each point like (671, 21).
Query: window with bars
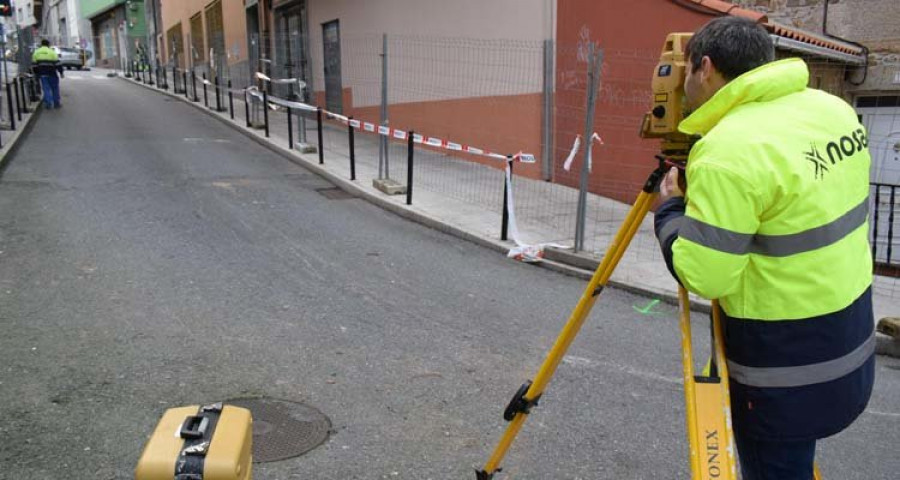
(197, 49)
(215, 33)
(175, 45)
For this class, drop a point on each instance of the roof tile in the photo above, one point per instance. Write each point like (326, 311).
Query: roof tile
(728, 8)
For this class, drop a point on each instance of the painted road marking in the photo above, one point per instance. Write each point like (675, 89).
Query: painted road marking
(648, 309)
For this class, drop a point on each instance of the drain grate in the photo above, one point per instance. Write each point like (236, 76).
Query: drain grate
(334, 193)
(283, 429)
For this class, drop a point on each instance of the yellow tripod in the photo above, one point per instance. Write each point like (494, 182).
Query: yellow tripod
(529, 393)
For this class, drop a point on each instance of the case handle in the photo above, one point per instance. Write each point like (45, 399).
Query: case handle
(194, 426)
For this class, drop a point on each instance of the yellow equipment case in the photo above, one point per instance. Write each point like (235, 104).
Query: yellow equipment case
(199, 443)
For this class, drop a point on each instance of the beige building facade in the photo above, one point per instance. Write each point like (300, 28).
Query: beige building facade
(204, 34)
(467, 70)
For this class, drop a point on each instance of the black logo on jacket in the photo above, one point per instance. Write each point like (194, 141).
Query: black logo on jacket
(836, 151)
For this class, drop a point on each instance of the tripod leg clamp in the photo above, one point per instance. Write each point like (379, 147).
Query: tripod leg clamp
(519, 404)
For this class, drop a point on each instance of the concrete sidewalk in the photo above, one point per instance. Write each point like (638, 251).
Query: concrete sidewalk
(24, 122)
(439, 201)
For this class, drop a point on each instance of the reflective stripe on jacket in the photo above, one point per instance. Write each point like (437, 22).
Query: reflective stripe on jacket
(775, 226)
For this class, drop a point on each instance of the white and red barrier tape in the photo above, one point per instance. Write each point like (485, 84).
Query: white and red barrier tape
(575, 146)
(522, 251)
(396, 133)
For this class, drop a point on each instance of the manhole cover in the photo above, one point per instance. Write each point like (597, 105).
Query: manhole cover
(334, 193)
(283, 429)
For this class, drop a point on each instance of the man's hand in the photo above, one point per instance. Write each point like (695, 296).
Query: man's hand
(670, 187)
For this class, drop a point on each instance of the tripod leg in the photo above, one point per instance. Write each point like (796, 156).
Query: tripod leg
(530, 393)
(689, 394)
(707, 403)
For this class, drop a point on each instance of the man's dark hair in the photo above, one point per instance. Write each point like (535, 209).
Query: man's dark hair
(45, 43)
(735, 45)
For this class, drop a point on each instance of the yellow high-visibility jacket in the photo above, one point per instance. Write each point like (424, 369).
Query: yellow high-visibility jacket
(775, 226)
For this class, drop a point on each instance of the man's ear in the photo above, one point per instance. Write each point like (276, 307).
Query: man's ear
(706, 68)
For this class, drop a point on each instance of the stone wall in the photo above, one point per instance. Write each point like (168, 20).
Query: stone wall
(873, 23)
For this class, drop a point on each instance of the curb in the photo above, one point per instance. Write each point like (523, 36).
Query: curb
(576, 268)
(10, 149)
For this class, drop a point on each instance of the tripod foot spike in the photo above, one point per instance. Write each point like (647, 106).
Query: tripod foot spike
(483, 475)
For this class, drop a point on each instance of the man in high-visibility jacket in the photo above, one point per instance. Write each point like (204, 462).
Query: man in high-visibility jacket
(774, 224)
(45, 66)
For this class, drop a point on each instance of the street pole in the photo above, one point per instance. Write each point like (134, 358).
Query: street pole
(383, 167)
(4, 74)
(596, 59)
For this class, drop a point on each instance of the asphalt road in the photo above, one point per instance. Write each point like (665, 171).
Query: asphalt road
(152, 257)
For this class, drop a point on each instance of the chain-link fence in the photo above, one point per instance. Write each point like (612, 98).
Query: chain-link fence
(500, 95)
(511, 96)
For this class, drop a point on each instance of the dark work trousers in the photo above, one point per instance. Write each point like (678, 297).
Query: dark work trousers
(50, 86)
(766, 460)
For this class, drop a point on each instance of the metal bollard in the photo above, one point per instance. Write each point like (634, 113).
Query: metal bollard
(194, 86)
(504, 226)
(410, 151)
(33, 89)
(205, 97)
(15, 87)
(352, 150)
(218, 95)
(9, 102)
(34, 94)
(265, 109)
(184, 84)
(247, 108)
(230, 100)
(150, 74)
(290, 130)
(319, 133)
(24, 97)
